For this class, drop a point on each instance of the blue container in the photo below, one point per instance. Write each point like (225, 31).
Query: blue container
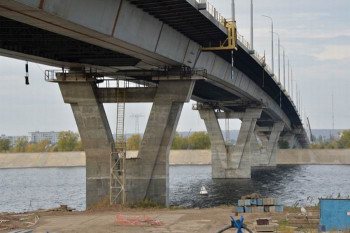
(247, 209)
(240, 209)
(247, 202)
(240, 202)
(259, 201)
(253, 202)
(279, 208)
(277, 201)
(335, 214)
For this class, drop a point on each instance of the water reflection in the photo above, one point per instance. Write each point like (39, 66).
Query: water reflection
(294, 184)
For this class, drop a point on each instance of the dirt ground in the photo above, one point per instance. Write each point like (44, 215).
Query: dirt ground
(104, 220)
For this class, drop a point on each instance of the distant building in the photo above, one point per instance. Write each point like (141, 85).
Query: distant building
(37, 136)
(13, 139)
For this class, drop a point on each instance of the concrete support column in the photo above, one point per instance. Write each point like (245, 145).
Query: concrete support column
(95, 134)
(290, 138)
(230, 162)
(218, 146)
(147, 176)
(270, 144)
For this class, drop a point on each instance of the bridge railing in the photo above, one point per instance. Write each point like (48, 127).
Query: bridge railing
(217, 16)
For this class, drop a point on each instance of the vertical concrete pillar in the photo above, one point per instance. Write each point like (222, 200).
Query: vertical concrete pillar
(290, 138)
(239, 159)
(255, 151)
(218, 146)
(230, 162)
(270, 144)
(147, 176)
(95, 134)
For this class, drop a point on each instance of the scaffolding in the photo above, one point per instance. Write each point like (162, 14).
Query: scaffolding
(118, 153)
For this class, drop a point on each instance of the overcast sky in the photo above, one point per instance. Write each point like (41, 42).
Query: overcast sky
(315, 34)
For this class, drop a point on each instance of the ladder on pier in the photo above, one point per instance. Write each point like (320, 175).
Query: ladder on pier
(118, 153)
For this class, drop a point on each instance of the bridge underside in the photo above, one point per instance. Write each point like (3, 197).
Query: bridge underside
(147, 175)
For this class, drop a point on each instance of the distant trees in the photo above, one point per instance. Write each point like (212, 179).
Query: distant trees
(20, 145)
(342, 143)
(134, 142)
(283, 144)
(5, 145)
(68, 141)
(196, 141)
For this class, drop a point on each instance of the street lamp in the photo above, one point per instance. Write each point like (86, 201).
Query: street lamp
(251, 27)
(273, 65)
(279, 57)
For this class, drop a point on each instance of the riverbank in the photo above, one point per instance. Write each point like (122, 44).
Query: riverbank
(170, 220)
(176, 157)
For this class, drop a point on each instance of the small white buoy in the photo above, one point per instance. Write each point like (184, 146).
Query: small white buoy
(203, 191)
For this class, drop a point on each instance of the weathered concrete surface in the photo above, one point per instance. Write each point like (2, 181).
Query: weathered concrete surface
(147, 176)
(266, 157)
(95, 134)
(230, 161)
(176, 157)
(299, 156)
(43, 159)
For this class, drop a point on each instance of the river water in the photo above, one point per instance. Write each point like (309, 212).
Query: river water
(34, 188)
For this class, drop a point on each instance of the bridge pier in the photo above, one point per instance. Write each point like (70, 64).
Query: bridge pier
(291, 139)
(95, 134)
(230, 161)
(147, 176)
(269, 139)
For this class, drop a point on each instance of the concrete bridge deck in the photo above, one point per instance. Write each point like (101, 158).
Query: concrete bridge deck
(129, 35)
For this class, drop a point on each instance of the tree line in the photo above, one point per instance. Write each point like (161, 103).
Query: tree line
(67, 141)
(195, 141)
(342, 143)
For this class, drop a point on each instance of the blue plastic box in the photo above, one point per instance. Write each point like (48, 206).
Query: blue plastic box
(335, 214)
(253, 202)
(247, 209)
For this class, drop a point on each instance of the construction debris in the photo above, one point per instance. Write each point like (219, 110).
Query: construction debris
(255, 203)
(265, 225)
(310, 220)
(123, 220)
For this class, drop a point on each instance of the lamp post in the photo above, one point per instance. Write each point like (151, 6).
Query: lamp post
(279, 57)
(251, 27)
(273, 65)
(233, 12)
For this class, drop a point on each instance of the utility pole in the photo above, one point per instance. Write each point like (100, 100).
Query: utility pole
(137, 122)
(288, 77)
(332, 112)
(233, 12)
(291, 82)
(284, 69)
(251, 27)
(279, 57)
(272, 58)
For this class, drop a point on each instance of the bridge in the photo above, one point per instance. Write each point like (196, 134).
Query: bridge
(158, 52)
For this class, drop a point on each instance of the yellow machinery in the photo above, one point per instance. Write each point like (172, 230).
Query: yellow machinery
(231, 41)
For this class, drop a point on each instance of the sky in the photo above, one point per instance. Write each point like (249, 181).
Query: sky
(314, 33)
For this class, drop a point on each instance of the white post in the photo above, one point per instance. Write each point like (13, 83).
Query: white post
(288, 77)
(272, 58)
(291, 82)
(233, 10)
(251, 26)
(279, 60)
(284, 69)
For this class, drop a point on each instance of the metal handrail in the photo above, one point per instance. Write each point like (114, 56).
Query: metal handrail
(217, 16)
